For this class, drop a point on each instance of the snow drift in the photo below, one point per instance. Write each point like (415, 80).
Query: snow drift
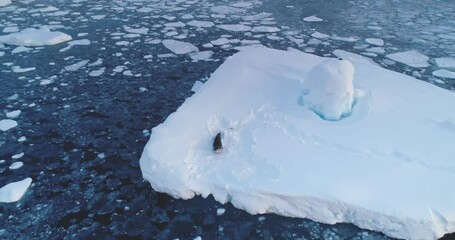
(388, 165)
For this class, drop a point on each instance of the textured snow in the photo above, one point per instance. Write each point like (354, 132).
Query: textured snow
(444, 73)
(179, 47)
(7, 124)
(35, 37)
(13, 192)
(387, 166)
(312, 19)
(411, 58)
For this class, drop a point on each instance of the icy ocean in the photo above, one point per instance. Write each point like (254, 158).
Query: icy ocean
(84, 82)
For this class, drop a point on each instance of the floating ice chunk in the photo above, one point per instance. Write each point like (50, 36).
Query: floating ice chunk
(445, 62)
(4, 3)
(76, 66)
(379, 50)
(79, 42)
(200, 24)
(21, 49)
(312, 19)
(345, 39)
(22, 139)
(97, 73)
(375, 41)
(319, 35)
(45, 82)
(220, 41)
(18, 156)
(235, 27)
(179, 47)
(220, 211)
(44, 9)
(175, 24)
(18, 69)
(343, 173)
(265, 29)
(122, 43)
(98, 17)
(222, 9)
(16, 165)
(203, 55)
(444, 73)
(7, 124)
(257, 17)
(144, 10)
(329, 89)
(197, 85)
(13, 192)
(13, 114)
(411, 58)
(96, 63)
(142, 30)
(187, 16)
(35, 37)
(242, 4)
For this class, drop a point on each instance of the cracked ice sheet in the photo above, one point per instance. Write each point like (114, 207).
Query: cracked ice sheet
(387, 167)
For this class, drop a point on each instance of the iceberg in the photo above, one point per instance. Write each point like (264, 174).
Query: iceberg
(388, 165)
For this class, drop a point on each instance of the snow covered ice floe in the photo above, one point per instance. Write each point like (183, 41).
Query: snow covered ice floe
(387, 166)
(35, 37)
(13, 192)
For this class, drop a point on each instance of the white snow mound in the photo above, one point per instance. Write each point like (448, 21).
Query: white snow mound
(388, 166)
(329, 90)
(35, 37)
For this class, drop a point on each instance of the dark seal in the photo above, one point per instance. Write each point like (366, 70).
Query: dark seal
(217, 145)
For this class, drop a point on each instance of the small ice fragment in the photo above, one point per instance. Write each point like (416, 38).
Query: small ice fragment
(16, 165)
(220, 211)
(13, 114)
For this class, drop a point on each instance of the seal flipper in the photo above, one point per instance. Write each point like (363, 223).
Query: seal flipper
(217, 145)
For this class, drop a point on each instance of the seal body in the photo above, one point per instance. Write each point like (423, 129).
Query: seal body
(217, 144)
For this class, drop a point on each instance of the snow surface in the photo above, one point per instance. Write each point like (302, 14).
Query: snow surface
(13, 192)
(388, 166)
(411, 58)
(35, 37)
